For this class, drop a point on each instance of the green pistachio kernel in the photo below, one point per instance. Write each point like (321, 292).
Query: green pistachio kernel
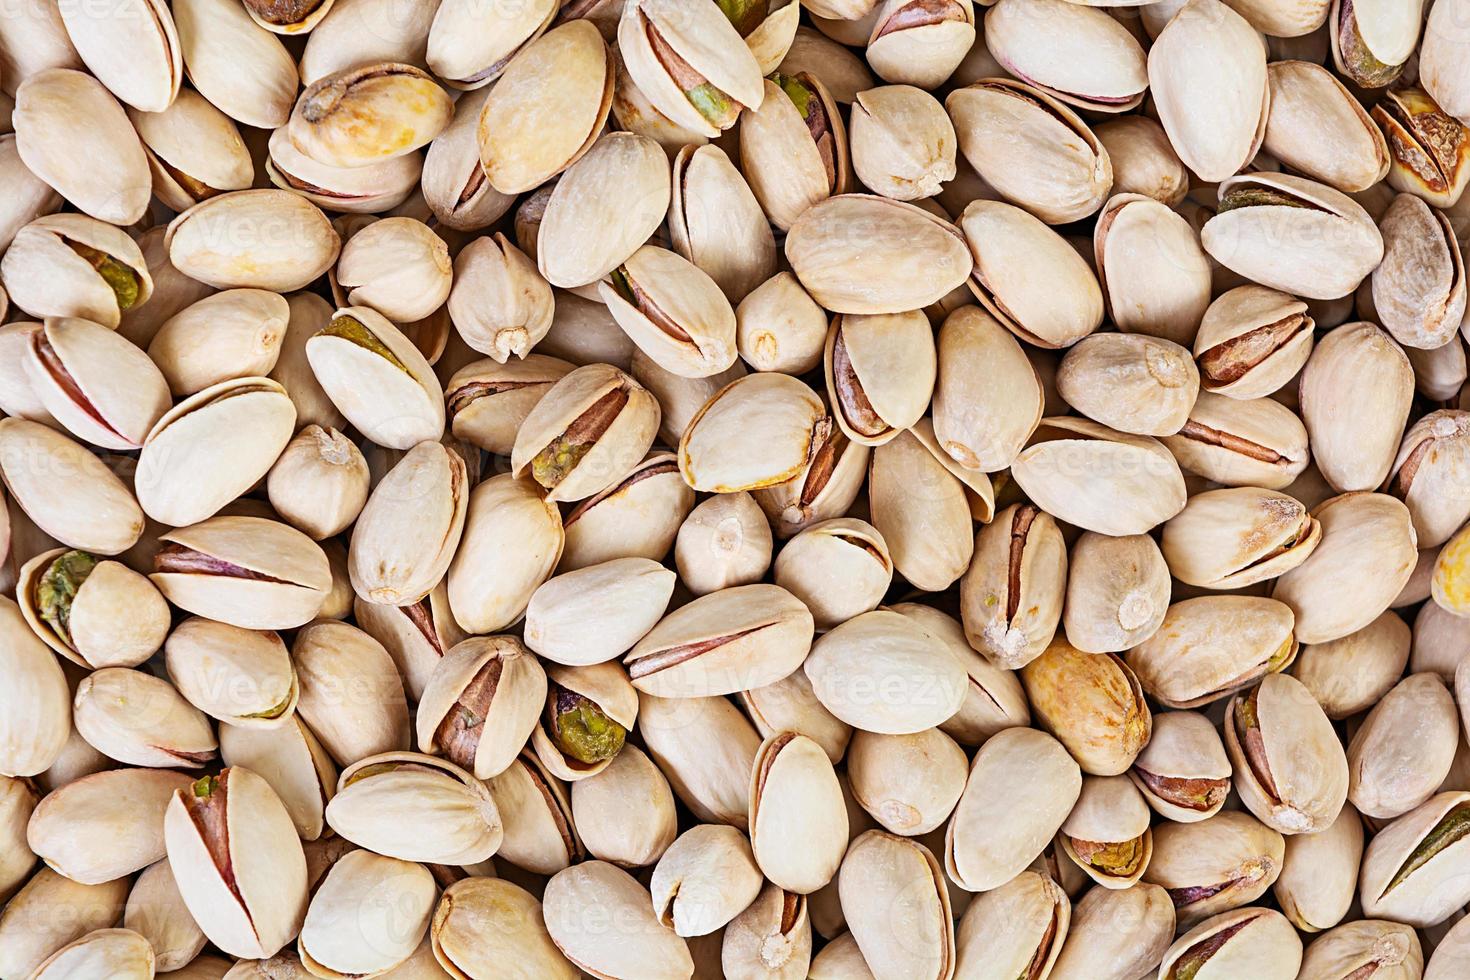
(1255, 197)
(712, 104)
(552, 464)
(275, 711)
(1451, 829)
(351, 329)
(58, 588)
(746, 15)
(122, 278)
(796, 91)
(582, 730)
(205, 786)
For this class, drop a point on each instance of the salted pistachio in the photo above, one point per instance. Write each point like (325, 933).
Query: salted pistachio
(65, 490)
(364, 115)
(1115, 934)
(1032, 149)
(715, 221)
(771, 938)
(919, 498)
(415, 635)
(231, 334)
(331, 658)
(1011, 596)
(673, 311)
(1252, 942)
(1448, 586)
(1092, 704)
(1107, 833)
(1252, 341)
(415, 808)
(31, 928)
(488, 400)
(36, 723)
(1211, 646)
(1292, 234)
(585, 720)
(1133, 382)
(1319, 878)
(141, 720)
(1419, 287)
(235, 239)
(908, 783)
(916, 42)
(243, 677)
(1426, 475)
(1214, 865)
(637, 517)
(120, 953)
(1229, 538)
(293, 761)
(1215, 126)
(104, 826)
(1028, 277)
(647, 948)
(320, 482)
(1411, 870)
(903, 143)
(1153, 273)
(540, 834)
(244, 70)
(792, 775)
(499, 304)
(403, 404)
(824, 487)
(156, 911)
(838, 568)
(1015, 930)
(95, 613)
(397, 266)
(1368, 947)
(860, 253)
(1255, 442)
(1073, 54)
(1404, 748)
(1183, 771)
(70, 265)
(194, 151)
(354, 190)
(481, 924)
(724, 542)
(1021, 787)
(469, 45)
(1371, 44)
(707, 748)
(453, 184)
(880, 371)
(1317, 128)
(625, 813)
(759, 431)
(793, 148)
(65, 121)
(917, 940)
(366, 916)
(982, 418)
(547, 107)
(246, 571)
(596, 613)
(1117, 592)
(481, 704)
(237, 861)
(1365, 557)
(1428, 148)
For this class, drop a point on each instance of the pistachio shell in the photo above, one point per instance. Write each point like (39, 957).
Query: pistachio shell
(716, 222)
(482, 923)
(102, 388)
(398, 555)
(597, 613)
(234, 63)
(1153, 272)
(236, 239)
(1210, 646)
(68, 492)
(793, 776)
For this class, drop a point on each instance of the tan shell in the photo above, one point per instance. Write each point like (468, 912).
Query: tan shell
(45, 275)
(483, 735)
(104, 826)
(117, 618)
(232, 334)
(469, 45)
(1241, 442)
(638, 516)
(1132, 382)
(499, 304)
(1404, 749)
(1319, 879)
(141, 720)
(237, 66)
(1161, 283)
(540, 835)
(595, 614)
(778, 327)
(1429, 150)
(677, 314)
(758, 431)
(398, 266)
(239, 676)
(1072, 53)
(605, 685)
(922, 54)
(1256, 942)
(1318, 129)
(1183, 771)
(1117, 592)
(251, 225)
(453, 185)
(903, 143)
(798, 823)
(482, 923)
(331, 657)
(1226, 539)
(1092, 703)
(1232, 858)
(295, 763)
(487, 400)
(1011, 596)
(397, 554)
(983, 418)
(361, 116)
(789, 167)
(704, 879)
(837, 568)
(908, 783)
(1419, 287)
(1210, 646)
(929, 533)
(716, 222)
(1144, 162)
(880, 372)
(647, 948)
(1252, 341)
(916, 940)
(355, 190)
(1425, 893)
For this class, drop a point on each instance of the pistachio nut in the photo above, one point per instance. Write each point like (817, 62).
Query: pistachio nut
(1419, 288)
(1252, 341)
(1210, 646)
(983, 418)
(18, 799)
(1092, 703)
(156, 911)
(1428, 149)
(1183, 772)
(17, 397)
(482, 924)
(880, 371)
(367, 915)
(499, 304)
(586, 716)
(106, 825)
(488, 400)
(758, 431)
(916, 939)
(837, 568)
(469, 45)
(793, 775)
(1223, 862)
(824, 487)
(453, 184)
(309, 314)
(716, 222)
(1425, 475)
(95, 613)
(647, 948)
(1229, 538)
(1254, 442)
(919, 43)
(194, 151)
(1252, 942)
(235, 675)
(231, 334)
(638, 516)
(1098, 65)
(295, 764)
(398, 266)
(1144, 162)
(1132, 382)
(704, 880)
(37, 719)
(1448, 585)
(141, 720)
(415, 635)
(919, 502)
(1317, 128)
(1117, 592)
(908, 783)
(771, 938)
(1320, 876)
(707, 748)
(481, 704)
(29, 196)
(1439, 53)
(778, 327)
(244, 70)
(320, 482)
(351, 693)
(1411, 869)
(1352, 673)
(364, 115)
(793, 148)
(840, 959)
(1107, 834)
(1404, 748)
(1161, 284)
(235, 239)
(625, 813)
(903, 143)
(1389, 949)
(366, 32)
(1015, 930)
(31, 928)
(1115, 933)
(120, 953)
(352, 190)
(512, 540)
(403, 405)
(1011, 596)
(597, 613)
(540, 835)
(724, 542)
(673, 311)
(1449, 956)
(70, 265)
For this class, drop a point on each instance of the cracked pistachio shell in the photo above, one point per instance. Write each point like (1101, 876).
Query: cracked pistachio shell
(1292, 234)
(246, 571)
(67, 491)
(415, 808)
(133, 50)
(1255, 442)
(499, 303)
(1352, 673)
(270, 239)
(1252, 942)
(1183, 771)
(1098, 478)
(487, 400)
(141, 720)
(1214, 865)
(607, 687)
(453, 184)
(908, 783)
(72, 133)
(793, 148)
(363, 115)
(1427, 475)
(288, 16)
(1226, 539)
(1077, 54)
(704, 880)
(70, 265)
(798, 821)
(919, 502)
(1116, 934)
(1092, 703)
(482, 924)
(883, 673)
(232, 334)
(1319, 878)
(156, 911)
(1028, 277)
(398, 553)
(625, 813)
(104, 826)
(238, 862)
(377, 378)
(366, 916)
(578, 899)
(1404, 749)
(1385, 949)
(115, 618)
(293, 762)
(1317, 128)
(352, 190)
(596, 613)
(415, 635)
(903, 143)
(634, 112)
(662, 40)
(637, 517)
(732, 640)
(1117, 592)
(859, 253)
(513, 538)
(779, 327)
(1133, 382)
(1252, 341)
(673, 311)
(309, 313)
(1366, 555)
(1429, 150)
(1011, 596)
(36, 722)
(679, 397)
(725, 541)
(1419, 287)
(1414, 868)
(547, 108)
(716, 222)
(1153, 273)
(332, 658)
(915, 938)
(243, 677)
(880, 371)
(364, 32)
(96, 383)
(770, 940)
(481, 704)
(1212, 645)
(471, 43)
(1441, 54)
(320, 482)
(398, 266)
(1107, 833)
(1207, 74)
(758, 431)
(987, 396)
(825, 487)
(540, 835)
(118, 953)
(172, 290)
(1290, 768)
(1015, 930)
(920, 43)
(1021, 787)
(32, 930)
(1031, 149)
(234, 63)
(838, 568)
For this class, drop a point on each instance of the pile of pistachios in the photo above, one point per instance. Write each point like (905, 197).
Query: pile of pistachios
(751, 489)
